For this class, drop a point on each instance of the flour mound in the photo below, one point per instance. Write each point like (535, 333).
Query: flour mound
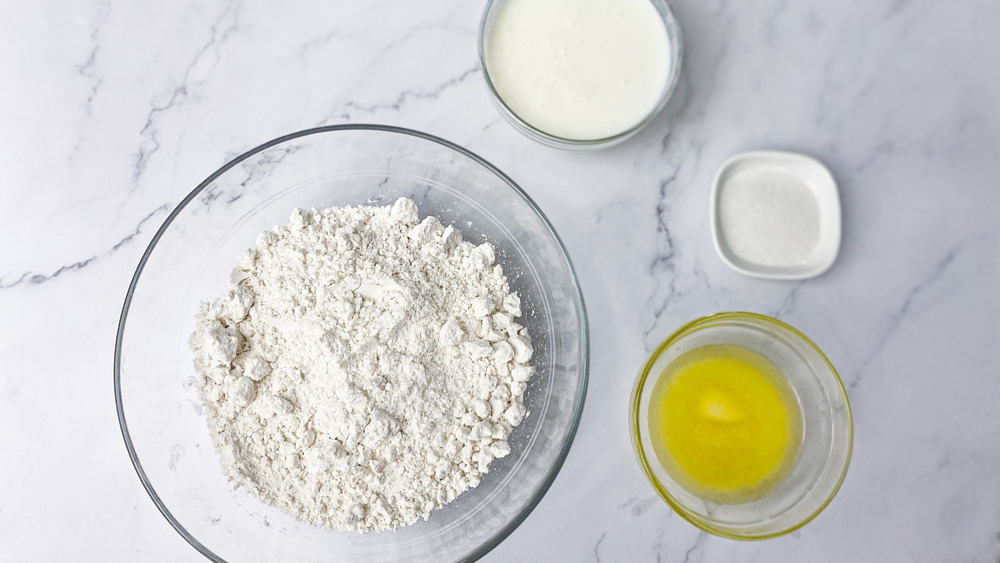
(365, 368)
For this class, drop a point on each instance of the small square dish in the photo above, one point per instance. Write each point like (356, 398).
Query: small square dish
(775, 215)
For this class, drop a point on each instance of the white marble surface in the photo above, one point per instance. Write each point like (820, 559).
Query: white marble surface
(111, 111)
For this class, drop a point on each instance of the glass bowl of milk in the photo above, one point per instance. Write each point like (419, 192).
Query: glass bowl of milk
(579, 74)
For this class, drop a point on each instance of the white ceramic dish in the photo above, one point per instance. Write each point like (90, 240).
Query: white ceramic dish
(823, 186)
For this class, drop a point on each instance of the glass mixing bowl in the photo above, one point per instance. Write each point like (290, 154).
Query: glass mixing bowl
(827, 429)
(189, 261)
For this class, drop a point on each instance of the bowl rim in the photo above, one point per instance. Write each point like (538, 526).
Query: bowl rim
(584, 337)
(676, 42)
(641, 455)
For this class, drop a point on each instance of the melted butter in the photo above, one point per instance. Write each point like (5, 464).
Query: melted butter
(725, 423)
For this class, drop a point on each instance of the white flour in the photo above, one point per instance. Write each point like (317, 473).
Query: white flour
(365, 368)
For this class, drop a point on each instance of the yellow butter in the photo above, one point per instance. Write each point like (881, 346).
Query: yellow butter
(725, 423)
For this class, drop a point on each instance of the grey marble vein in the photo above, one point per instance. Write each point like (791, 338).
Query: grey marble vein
(408, 95)
(324, 40)
(695, 553)
(897, 7)
(788, 303)
(34, 278)
(597, 547)
(900, 314)
(662, 266)
(226, 24)
(770, 25)
(89, 67)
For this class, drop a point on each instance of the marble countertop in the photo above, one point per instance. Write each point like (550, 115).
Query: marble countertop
(112, 111)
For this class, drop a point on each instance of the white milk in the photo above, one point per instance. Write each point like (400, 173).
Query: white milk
(579, 69)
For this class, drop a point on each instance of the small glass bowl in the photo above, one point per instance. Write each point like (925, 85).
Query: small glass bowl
(676, 56)
(827, 429)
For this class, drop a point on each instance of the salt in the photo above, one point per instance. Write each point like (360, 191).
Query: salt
(769, 217)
